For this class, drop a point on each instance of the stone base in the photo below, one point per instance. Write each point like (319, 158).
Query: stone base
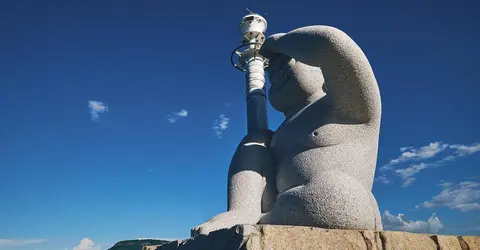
(272, 237)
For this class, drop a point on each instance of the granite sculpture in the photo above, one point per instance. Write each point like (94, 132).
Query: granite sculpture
(317, 168)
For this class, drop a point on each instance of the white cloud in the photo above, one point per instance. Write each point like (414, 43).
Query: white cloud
(401, 223)
(383, 179)
(407, 173)
(463, 150)
(174, 116)
(220, 125)
(410, 171)
(97, 108)
(463, 197)
(408, 181)
(431, 150)
(410, 153)
(19, 242)
(182, 113)
(87, 244)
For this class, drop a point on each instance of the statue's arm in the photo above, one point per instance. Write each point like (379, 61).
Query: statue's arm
(246, 184)
(348, 75)
(247, 179)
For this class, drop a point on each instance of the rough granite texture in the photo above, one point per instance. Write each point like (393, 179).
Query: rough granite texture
(274, 237)
(317, 168)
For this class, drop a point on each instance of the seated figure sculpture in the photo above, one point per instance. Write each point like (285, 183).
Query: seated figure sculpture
(317, 168)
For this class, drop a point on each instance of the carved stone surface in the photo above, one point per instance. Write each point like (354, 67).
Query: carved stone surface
(404, 240)
(268, 237)
(317, 168)
(469, 242)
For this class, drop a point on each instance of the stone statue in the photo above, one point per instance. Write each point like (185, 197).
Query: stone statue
(317, 168)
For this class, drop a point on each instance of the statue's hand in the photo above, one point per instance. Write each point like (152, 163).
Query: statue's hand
(270, 48)
(205, 228)
(224, 220)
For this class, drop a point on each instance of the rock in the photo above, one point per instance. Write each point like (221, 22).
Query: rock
(138, 244)
(172, 245)
(273, 237)
(392, 240)
(445, 242)
(469, 242)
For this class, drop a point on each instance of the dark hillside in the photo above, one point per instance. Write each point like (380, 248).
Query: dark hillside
(136, 244)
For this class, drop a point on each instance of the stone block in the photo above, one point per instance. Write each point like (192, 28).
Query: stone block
(275, 237)
(469, 242)
(393, 240)
(447, 242)
(294, 237)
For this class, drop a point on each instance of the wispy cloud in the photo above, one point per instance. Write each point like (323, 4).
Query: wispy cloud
(19, 242)
(220, 125)
(174, 116)
(464, 197)
(463, 150)
(411, 154)
(401, 223)
(383, 179)
(97, 108)
(403, 149)
(407, 173)
(87, 244)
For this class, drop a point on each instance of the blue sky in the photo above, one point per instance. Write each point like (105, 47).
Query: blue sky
(120, 117)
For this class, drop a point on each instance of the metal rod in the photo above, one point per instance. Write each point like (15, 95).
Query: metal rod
(255, 96)
(252, 28)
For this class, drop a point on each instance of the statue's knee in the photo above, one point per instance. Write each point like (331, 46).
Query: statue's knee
(341, 201)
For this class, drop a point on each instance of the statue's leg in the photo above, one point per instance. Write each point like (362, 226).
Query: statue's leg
(333, 200)
(378, 217)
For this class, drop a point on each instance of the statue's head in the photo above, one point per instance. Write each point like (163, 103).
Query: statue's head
(292, 82)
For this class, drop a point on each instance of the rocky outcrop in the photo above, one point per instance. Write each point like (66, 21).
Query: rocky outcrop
(270, 237)
(153, 247)
(138, 244)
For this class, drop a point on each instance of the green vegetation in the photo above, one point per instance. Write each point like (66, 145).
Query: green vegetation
(136, 244)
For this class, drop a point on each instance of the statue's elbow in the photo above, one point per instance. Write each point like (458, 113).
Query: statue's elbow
(324, 46)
